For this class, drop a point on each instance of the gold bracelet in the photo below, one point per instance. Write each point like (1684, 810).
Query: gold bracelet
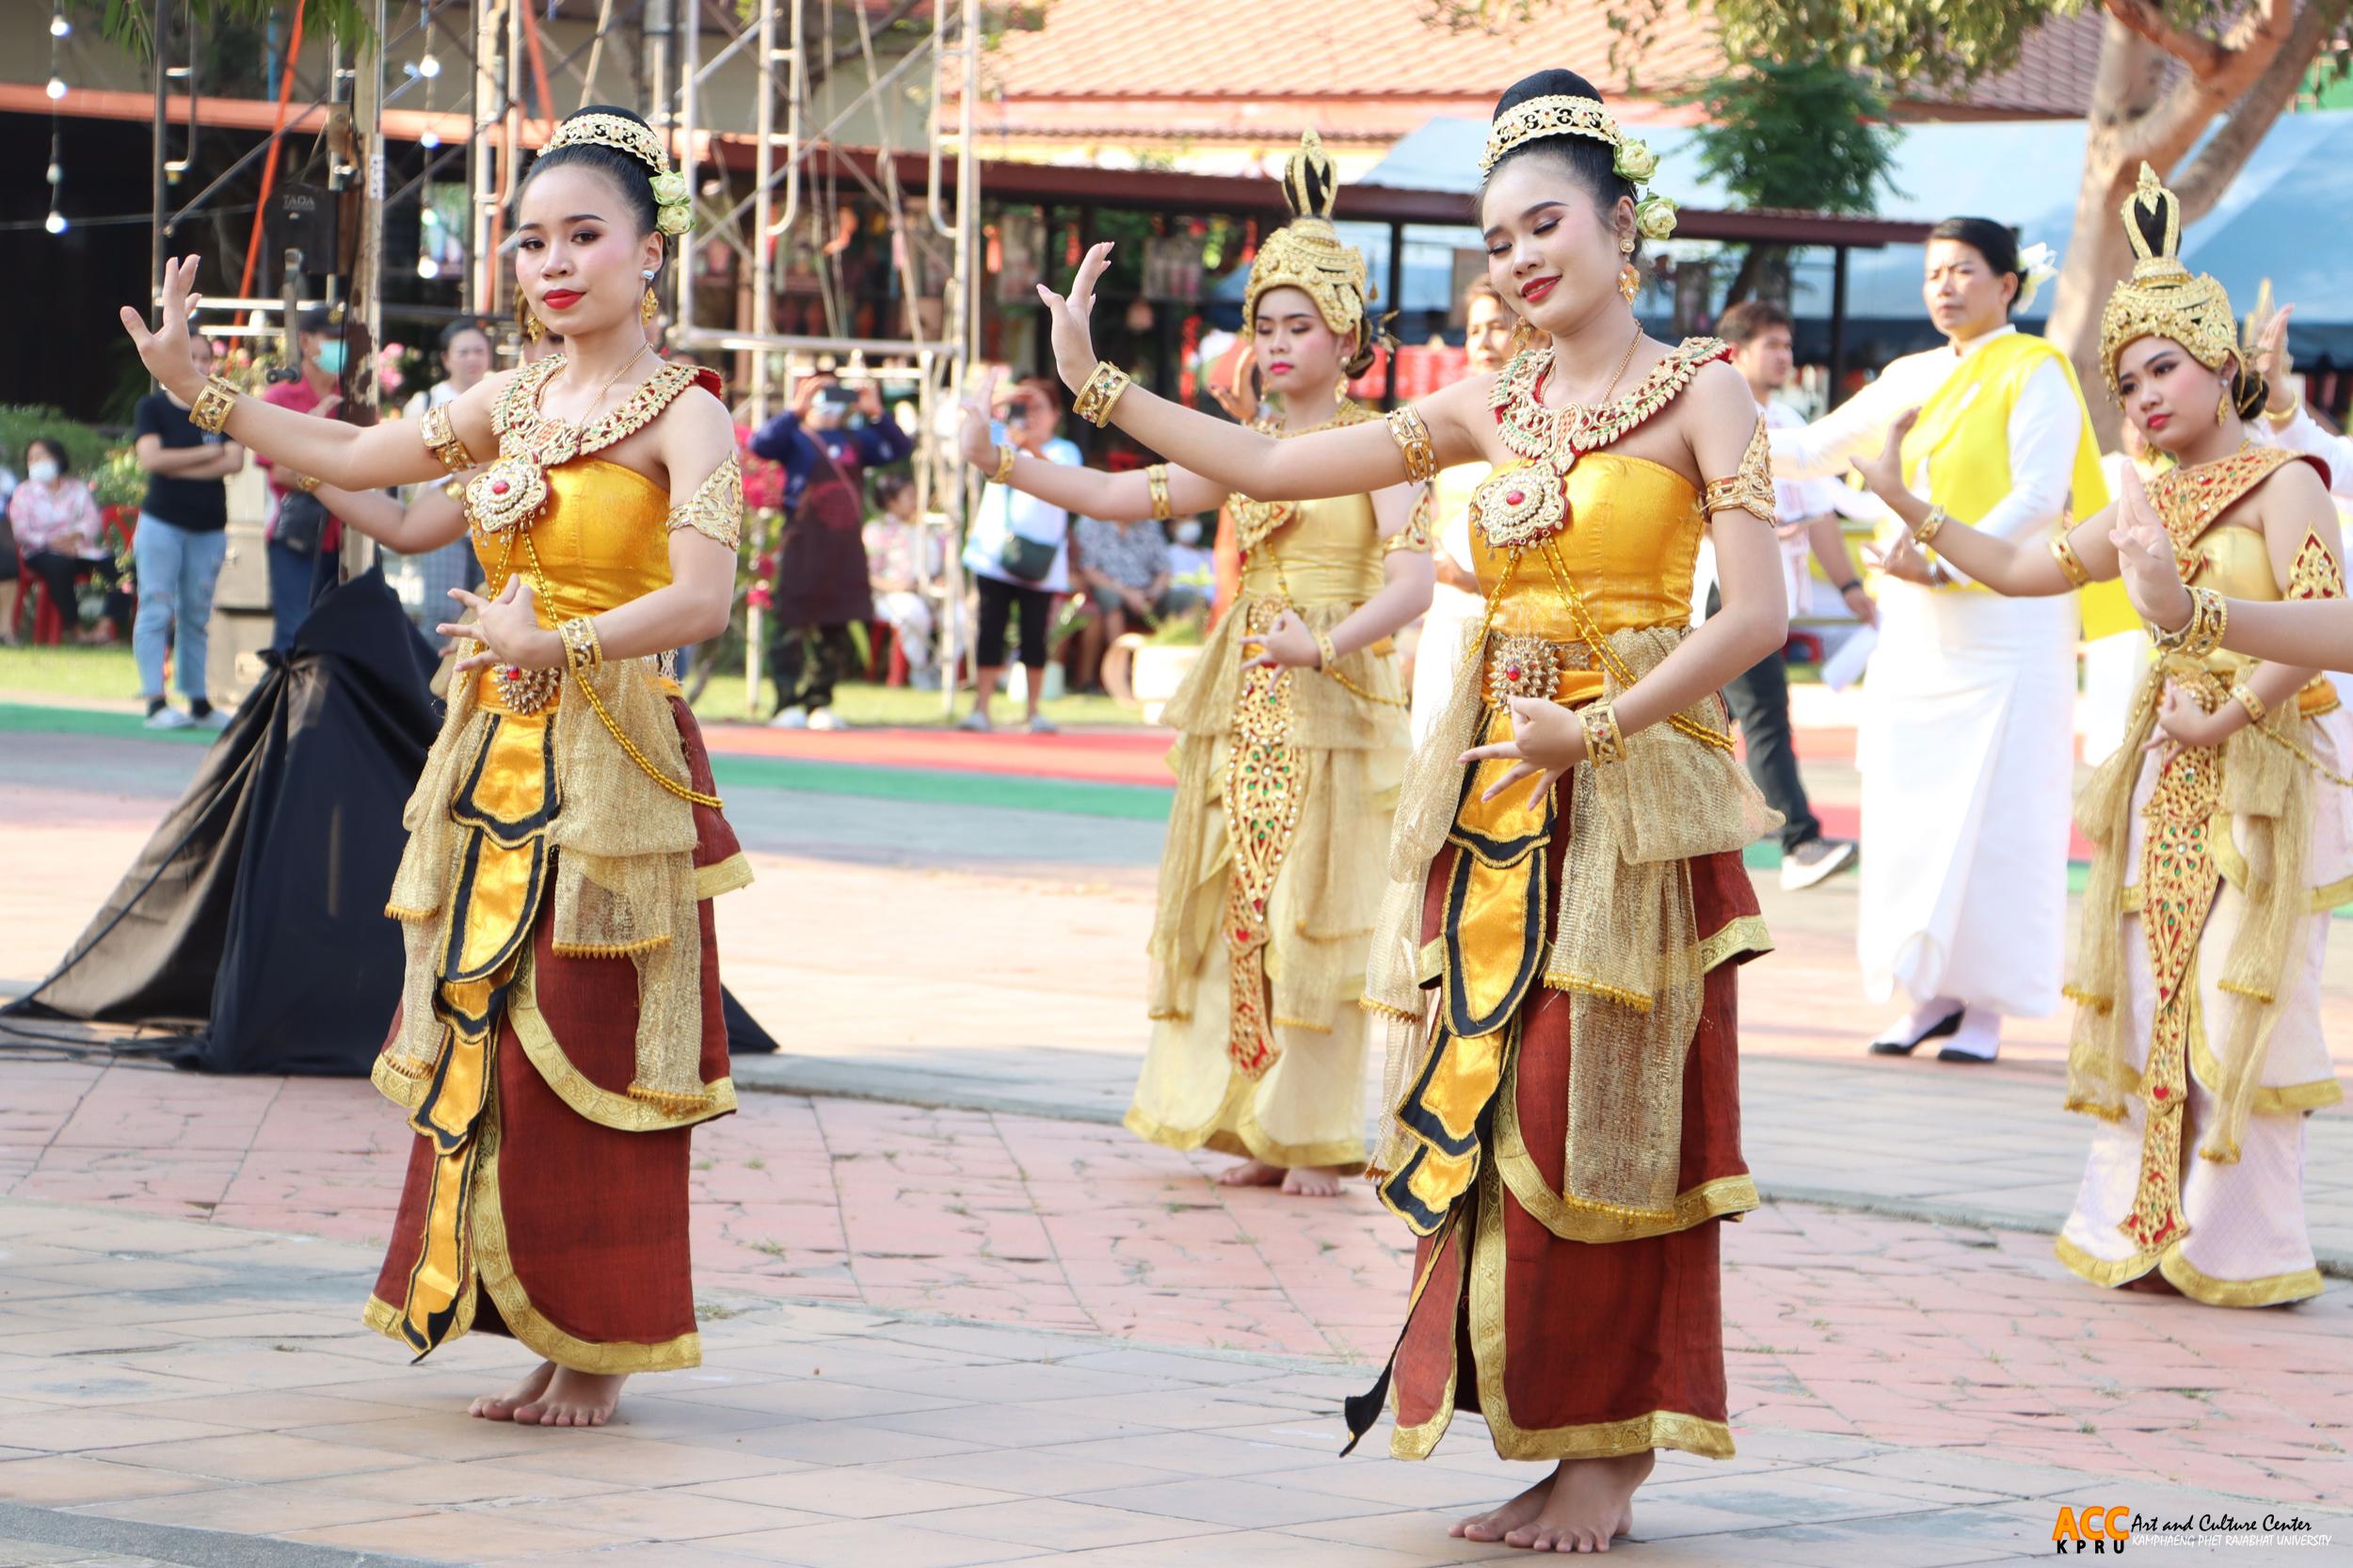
(307, 483)
(2209, 618)
(1327, 656)
(442, 442)
(1928, 527)
(1105, 384)
(209, 410)
(1002, 472)
(1605, 742)
(1156, 477)
(583, 649)
(2284, 418)
(2246, 697)
(2069, 564)
(1413, 442)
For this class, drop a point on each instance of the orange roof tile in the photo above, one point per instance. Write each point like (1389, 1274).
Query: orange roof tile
(1368, 68)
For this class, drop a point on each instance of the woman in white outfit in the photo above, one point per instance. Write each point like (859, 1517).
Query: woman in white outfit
(1966, 738)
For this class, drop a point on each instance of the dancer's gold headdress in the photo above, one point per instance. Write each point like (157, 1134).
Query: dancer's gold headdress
(2163, 299)
(674, 208)
(1307, 253)
(1560, 115)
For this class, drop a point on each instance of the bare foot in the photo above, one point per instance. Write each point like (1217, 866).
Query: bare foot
(575, 1399)
(1312, 1182)
(1497, 1523)
(500, 1407)
(1250, 1173)
(1592, 1502)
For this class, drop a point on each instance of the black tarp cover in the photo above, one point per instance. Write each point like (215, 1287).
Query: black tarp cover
(254, 916)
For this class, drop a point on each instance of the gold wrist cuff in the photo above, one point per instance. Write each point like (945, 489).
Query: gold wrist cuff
(209, 410)
(307, 483)
(2209, 618)
(1413, 441)
(1157, 478)
(2070, 564)
(583, 649)
(2245, 695)
(442, 442)
(2284, 418)
(1928, 527)
(1605, 742)
(1002, 472)
(1105, 384)
(1328, 658)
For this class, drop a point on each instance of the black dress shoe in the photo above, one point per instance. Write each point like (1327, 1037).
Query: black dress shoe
(1948, 1054)
(1949, 1023)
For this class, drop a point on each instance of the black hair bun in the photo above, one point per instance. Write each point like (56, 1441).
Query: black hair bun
(1555, 83)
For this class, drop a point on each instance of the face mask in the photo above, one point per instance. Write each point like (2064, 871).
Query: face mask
(330, 357)
(42, 472)
(1188, 533)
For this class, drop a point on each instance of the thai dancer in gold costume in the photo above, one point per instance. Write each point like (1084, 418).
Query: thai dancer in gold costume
(1556, 951)
(2222, 842)
(1291, 739)
(559, 1028)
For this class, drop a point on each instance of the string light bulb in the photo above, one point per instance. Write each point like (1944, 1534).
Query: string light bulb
(428, 67)
(55, 222)
(60, 26)
(57, 89)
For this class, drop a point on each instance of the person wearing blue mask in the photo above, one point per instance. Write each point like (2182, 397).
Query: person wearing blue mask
(300, 531)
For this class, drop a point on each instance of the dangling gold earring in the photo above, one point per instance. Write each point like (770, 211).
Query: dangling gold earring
(529, 323)
(1522, 336)
(1630, 280)
(2223, 407)
(648, 307)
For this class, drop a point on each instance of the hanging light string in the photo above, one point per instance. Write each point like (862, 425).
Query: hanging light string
(59, 30)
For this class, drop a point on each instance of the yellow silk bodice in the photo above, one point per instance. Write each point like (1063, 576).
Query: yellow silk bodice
(602, 540)
(1328, 552)
(1630, 548)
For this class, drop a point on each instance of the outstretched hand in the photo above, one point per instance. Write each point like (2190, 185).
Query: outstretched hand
(1074, 340)
(2144, 553)
(976, 438)
(1547, 740)
(1884, 474)
(507, 628)
(2274, 363)
(165, 350)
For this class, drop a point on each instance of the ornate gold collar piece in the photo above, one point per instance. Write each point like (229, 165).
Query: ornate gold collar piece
(512, 489)
(1561, 436)
(1255, 520)
(2189, 500)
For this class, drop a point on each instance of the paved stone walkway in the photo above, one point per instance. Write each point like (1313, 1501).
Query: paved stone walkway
(1913, 1379)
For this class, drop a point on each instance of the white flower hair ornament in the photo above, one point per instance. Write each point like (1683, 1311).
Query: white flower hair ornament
(2037, 265)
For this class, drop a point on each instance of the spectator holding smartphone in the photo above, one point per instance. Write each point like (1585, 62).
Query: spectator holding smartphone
(1019, 551)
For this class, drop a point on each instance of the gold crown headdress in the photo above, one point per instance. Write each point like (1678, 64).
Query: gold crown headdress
(674, 210)
(1560, 115)
(2163, 299)
(1307, 253)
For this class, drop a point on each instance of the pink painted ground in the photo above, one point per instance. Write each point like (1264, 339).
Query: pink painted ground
(1951, 1339)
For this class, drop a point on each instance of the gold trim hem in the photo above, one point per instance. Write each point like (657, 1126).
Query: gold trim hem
(722, 876)
(1743, 936)
(1245, 1139)
(623, 1112)
(2275, 1289)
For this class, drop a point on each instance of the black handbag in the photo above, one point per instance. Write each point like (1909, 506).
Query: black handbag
(302, 523)
(1030, 560)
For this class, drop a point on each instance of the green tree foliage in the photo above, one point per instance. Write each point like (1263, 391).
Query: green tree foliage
(1811, 135)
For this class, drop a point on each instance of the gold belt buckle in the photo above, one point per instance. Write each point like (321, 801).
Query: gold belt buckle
(1521, 665)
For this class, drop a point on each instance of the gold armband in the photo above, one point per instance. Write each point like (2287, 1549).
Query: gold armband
(2284, 418)
(2245, 695)
(717, 510)
(443, 440)
(1413, 440)
(209, 410)
(1605, 742)
(2209, 618)
(1751, 489)
(1156, 479)
(307, 483)
(1928, 527)
(2069, 564)
(583, 650)
(1002, 472)
(1416, 535)
(1104, 386)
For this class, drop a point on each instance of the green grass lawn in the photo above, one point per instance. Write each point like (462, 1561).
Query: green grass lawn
(106, 676)
(69, 674)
